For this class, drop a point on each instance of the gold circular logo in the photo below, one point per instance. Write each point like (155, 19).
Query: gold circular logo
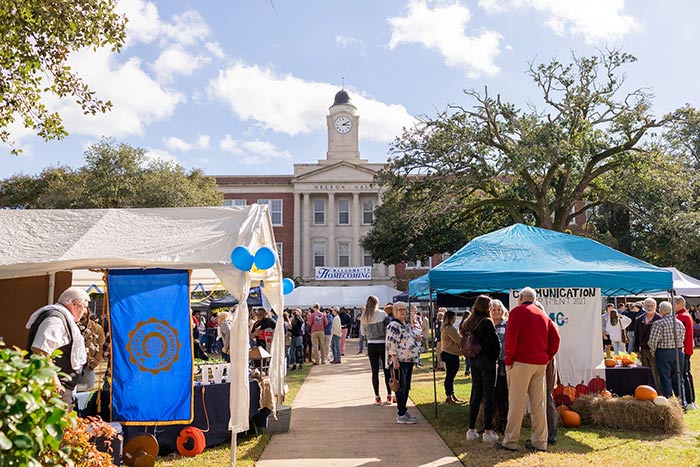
(153, 346)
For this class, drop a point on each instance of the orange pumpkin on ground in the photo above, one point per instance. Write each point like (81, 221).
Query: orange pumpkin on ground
(645, 393)
(561, 409)
(610, 362)
(570, 419)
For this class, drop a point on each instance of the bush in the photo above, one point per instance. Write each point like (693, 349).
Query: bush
(36, 430)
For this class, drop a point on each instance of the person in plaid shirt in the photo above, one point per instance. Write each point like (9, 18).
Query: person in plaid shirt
(666, 343)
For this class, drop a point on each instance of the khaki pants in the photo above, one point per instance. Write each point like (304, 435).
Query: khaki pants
(318, 346)
(526, 380)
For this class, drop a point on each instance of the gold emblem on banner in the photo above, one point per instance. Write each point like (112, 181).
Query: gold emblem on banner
(153, 346)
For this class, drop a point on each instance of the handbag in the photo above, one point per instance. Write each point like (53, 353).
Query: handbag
(624, 338)
(395, 379)
(468, 344)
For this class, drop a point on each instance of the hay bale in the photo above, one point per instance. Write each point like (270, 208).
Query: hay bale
(627, 413)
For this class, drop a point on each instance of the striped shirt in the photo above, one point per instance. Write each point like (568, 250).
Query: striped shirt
(661, 335)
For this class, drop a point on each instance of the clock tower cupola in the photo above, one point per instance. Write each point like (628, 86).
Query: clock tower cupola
(343, 137)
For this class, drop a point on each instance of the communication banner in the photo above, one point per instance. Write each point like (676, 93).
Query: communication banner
(344, 274)
(149, 315)
(576, 312)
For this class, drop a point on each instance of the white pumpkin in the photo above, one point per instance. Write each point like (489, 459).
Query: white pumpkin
(661, 400)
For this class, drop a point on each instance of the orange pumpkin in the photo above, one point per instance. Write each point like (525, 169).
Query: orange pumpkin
(645, 393)
(561, 409)
(570, 391)
(610, 362)
(570, 419)
(605, 394)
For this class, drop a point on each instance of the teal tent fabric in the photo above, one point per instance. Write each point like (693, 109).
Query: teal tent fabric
(521, 256)
(419, 288)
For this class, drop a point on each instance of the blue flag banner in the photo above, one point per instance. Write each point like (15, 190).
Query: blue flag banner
(152, 355)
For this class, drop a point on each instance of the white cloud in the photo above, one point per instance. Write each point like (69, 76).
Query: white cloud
(596, 20)
(215, 49)
(253, 152)
(348, 40)
(137, 99)
(160, 155)
(177, 61)
(145, 25)
(290, 105)
(443, 28)
(177, 144)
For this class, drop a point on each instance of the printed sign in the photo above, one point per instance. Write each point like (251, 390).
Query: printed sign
(344, 274)
(576, 312)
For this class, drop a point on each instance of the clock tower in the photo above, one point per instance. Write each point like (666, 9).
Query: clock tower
(342, 121)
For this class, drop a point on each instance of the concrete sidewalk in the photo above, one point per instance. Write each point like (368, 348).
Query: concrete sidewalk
(335, 423)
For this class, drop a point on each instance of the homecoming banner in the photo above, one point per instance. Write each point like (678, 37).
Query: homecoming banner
(149, 312)
(576, 312)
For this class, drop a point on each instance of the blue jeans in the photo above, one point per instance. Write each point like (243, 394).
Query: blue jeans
(363, 340)
(405, 386)
(335, 347)
(666, 367)
(296, 342)
(630, 344)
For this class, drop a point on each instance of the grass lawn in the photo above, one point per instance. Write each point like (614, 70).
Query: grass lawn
(250, 447)
(575, 447)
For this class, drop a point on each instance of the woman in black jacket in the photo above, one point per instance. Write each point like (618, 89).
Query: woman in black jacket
(483, 367)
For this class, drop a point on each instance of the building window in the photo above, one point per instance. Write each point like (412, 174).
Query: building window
(367, 259)
(319, 211)
(234, 202)
(343, 212)
(319, 251)
(425, 263)
(368, 212)
(275, 207)
(343, 254)
(280, 250)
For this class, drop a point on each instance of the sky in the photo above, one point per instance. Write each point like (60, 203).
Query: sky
(243, 87)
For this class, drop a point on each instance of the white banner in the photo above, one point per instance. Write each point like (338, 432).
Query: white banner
(576, 311)
(344, 274)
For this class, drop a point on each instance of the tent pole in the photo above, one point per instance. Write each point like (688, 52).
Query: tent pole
(675, 344)
(432, 346)
(233, 448)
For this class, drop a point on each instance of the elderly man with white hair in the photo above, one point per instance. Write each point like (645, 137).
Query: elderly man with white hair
(666, 343)
(54, 327)
(642, 328)
(532, 341)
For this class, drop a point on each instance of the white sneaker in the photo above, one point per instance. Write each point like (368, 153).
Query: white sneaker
(692, 406)
(489, 436)
(472, 435)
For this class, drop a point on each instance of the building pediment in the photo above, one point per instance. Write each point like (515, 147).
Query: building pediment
(342, 171)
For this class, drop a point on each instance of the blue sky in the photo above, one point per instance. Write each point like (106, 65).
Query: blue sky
(243, 87)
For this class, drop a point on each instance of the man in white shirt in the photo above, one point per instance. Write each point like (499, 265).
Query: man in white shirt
(54, 327)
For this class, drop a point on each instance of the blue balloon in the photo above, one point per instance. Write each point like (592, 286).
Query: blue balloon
(242, 258)
(265, 258)
(287, 286)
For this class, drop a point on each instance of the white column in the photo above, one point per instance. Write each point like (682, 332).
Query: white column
(355, 219)
(296, 269)
(306, 241)
(331, 221)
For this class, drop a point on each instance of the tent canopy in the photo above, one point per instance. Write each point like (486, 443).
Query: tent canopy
(347, 296)
(419, 288)
(38, 242)
(521, 255)
(683, 284)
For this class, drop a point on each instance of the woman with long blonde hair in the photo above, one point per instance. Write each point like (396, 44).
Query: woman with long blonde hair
(374, 322)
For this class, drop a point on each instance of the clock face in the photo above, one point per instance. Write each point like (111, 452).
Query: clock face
(342, 125)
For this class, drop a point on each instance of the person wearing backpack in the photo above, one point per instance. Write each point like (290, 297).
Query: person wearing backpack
(480, 344)
(54, 327)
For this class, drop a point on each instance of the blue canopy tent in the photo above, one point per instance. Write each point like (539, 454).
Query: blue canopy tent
(521, 255)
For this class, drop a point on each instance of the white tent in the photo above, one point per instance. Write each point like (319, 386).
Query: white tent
(347, 296)
(683, 284)
(39, 242)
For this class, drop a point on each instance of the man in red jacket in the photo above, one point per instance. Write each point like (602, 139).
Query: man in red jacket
(684, 317)
(532, 340)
